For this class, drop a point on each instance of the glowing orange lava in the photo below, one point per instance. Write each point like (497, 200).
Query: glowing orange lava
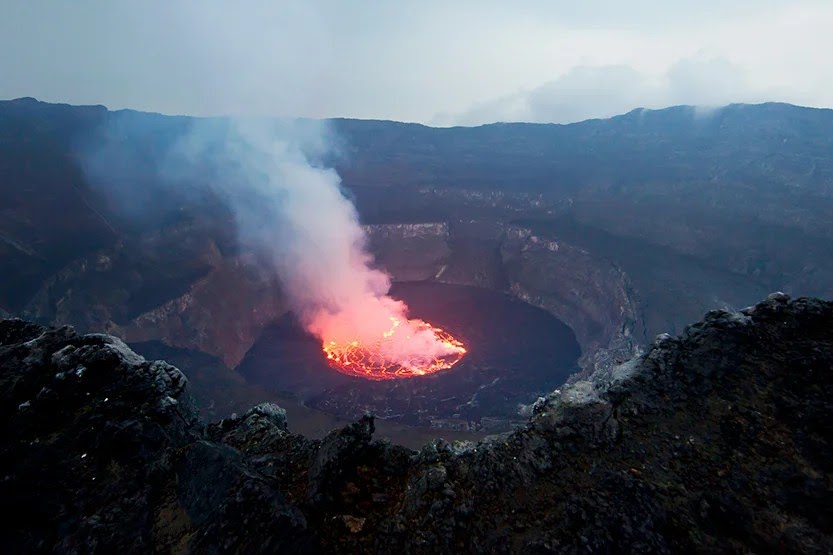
(385, 358)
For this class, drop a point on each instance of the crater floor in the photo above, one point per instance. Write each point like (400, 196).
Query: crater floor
(516, 352)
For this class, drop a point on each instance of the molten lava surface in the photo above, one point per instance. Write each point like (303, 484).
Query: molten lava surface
(389, 357)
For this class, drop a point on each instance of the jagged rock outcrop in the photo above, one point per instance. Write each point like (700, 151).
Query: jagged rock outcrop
(103, 451)
(714, 441)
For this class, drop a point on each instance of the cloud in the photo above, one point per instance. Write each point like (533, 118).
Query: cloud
(409, 60)
(587, 92)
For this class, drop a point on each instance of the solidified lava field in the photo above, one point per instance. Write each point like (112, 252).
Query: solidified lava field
(516, 352)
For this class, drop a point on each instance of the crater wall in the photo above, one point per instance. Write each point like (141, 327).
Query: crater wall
(232, 298)
(589, 294)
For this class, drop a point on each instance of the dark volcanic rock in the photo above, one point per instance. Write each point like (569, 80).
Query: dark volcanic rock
(714, 441)
(89, 427)
(103, 451)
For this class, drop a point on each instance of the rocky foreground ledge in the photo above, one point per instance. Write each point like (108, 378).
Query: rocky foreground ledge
(719, 440)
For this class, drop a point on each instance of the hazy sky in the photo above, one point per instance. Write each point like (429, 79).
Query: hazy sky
(437, 62)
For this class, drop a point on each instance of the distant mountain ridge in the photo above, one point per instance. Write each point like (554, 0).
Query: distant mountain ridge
(671, 138)
(641, 145)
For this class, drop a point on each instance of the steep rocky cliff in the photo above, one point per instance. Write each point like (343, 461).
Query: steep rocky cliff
(717, 440)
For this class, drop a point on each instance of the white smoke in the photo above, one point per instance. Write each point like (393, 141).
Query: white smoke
(288, 208)
(294, 211)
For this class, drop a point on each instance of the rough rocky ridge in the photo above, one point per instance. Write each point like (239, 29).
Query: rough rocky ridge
(717, 440)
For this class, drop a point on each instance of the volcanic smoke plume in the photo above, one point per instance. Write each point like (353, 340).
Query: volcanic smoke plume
(293, 211)
(298, 214)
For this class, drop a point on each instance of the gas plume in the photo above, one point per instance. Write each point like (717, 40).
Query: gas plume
(320, 254)
(292, 209)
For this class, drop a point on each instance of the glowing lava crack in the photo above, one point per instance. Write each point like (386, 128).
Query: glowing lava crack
(398, 353)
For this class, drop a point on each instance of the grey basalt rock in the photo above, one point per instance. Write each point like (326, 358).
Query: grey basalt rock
(577, 409)
(233, 509)
(271, 412)
(336, 452)
(97, 431)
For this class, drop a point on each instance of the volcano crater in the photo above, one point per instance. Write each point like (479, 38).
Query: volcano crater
(516, 352)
